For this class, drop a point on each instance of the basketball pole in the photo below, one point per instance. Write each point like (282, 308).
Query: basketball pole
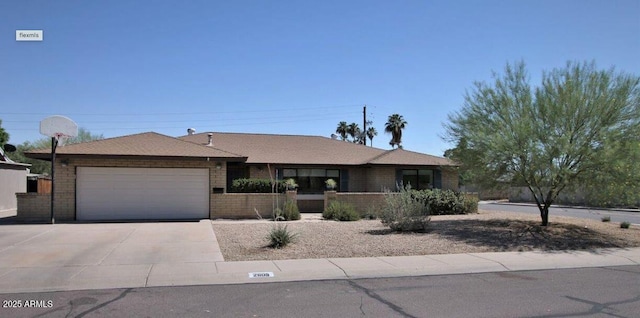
(54, 144)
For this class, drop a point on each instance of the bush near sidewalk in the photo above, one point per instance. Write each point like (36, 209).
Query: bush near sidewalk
(446, 202)
(289, 212)
(405, 211)
(280, 236)
(409, 210)
(340, 211)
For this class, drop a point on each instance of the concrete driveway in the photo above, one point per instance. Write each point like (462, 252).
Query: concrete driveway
(70, 256)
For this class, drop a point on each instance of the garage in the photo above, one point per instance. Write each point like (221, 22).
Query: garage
(112, 193)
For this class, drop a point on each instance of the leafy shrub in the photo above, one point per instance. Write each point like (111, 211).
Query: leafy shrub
(331, 184)
(405, 211)
(278, 214)
(371, 213)
(606, 219)
(290, 211)
(280, 236)
(470, 204)
(253, 185)
(625, 225)
(340, 211)
(446, 202)
(290, 184)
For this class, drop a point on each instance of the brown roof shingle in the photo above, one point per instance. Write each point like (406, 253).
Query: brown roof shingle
(409, 158)
(149, 144)
(311, 150)
(288, 149)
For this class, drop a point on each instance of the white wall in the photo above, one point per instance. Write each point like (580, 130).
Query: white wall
(13, 179)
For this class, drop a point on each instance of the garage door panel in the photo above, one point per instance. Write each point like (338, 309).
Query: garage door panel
(142, 193)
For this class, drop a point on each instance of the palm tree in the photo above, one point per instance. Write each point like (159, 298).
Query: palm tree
(371, 132)
(354, 132)
(395, 124)
(342, 130)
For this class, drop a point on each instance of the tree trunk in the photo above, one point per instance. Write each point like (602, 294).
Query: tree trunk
(544, 214)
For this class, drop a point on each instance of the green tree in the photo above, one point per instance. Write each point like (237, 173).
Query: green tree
(465, 173)
(354, 131)
(619, 185)
(37, 166)
(83, 136)
(552, 137)
(342, 130)
(371, 132)
(41, 166)
(4, 135)
(395, 124)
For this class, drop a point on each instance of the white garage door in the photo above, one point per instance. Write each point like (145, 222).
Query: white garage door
(141, 193)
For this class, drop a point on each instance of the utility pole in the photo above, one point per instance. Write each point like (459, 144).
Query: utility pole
(364, 130)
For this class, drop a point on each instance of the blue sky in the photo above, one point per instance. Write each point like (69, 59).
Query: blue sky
(290, 67)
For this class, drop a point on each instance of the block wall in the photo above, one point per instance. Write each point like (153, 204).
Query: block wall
(364, 202)
(450, 179)
(34, 207)
(380, 179)
(244, 205)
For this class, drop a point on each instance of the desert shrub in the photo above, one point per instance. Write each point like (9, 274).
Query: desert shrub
(371, 213)
(606, 219)
(470, 204)
(446, 202)
(290, 211)
(625, 225)
(253, 185)
(280, 236)
(405, 211)
(278, 214)
(340, 211)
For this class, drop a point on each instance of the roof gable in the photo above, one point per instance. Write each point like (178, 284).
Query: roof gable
(409, 158)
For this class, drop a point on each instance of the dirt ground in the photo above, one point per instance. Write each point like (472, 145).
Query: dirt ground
(487, 231)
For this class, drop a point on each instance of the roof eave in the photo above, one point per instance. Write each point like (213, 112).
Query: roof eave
(408, 165)
(15, 165)
(47, 157)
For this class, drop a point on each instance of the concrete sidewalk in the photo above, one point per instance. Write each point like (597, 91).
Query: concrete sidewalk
(37, 279)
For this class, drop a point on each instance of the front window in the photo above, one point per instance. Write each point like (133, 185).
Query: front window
(418, 179)
(312, 181)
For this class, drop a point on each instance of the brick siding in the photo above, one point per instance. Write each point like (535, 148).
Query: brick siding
(34, 207)
(361, 181)
(244, 205)
(450, 179)
(364, 202)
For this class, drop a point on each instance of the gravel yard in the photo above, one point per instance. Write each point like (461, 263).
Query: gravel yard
(487, 231)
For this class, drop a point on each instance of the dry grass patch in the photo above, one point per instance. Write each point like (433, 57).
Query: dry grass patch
(484, 232)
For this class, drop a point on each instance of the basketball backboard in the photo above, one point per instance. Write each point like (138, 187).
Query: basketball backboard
(58, 126)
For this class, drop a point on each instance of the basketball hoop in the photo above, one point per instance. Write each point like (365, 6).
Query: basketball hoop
(62, 138)
(59, 128)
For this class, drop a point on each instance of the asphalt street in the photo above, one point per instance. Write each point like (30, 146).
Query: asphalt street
(598, 292)
(594, 214)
